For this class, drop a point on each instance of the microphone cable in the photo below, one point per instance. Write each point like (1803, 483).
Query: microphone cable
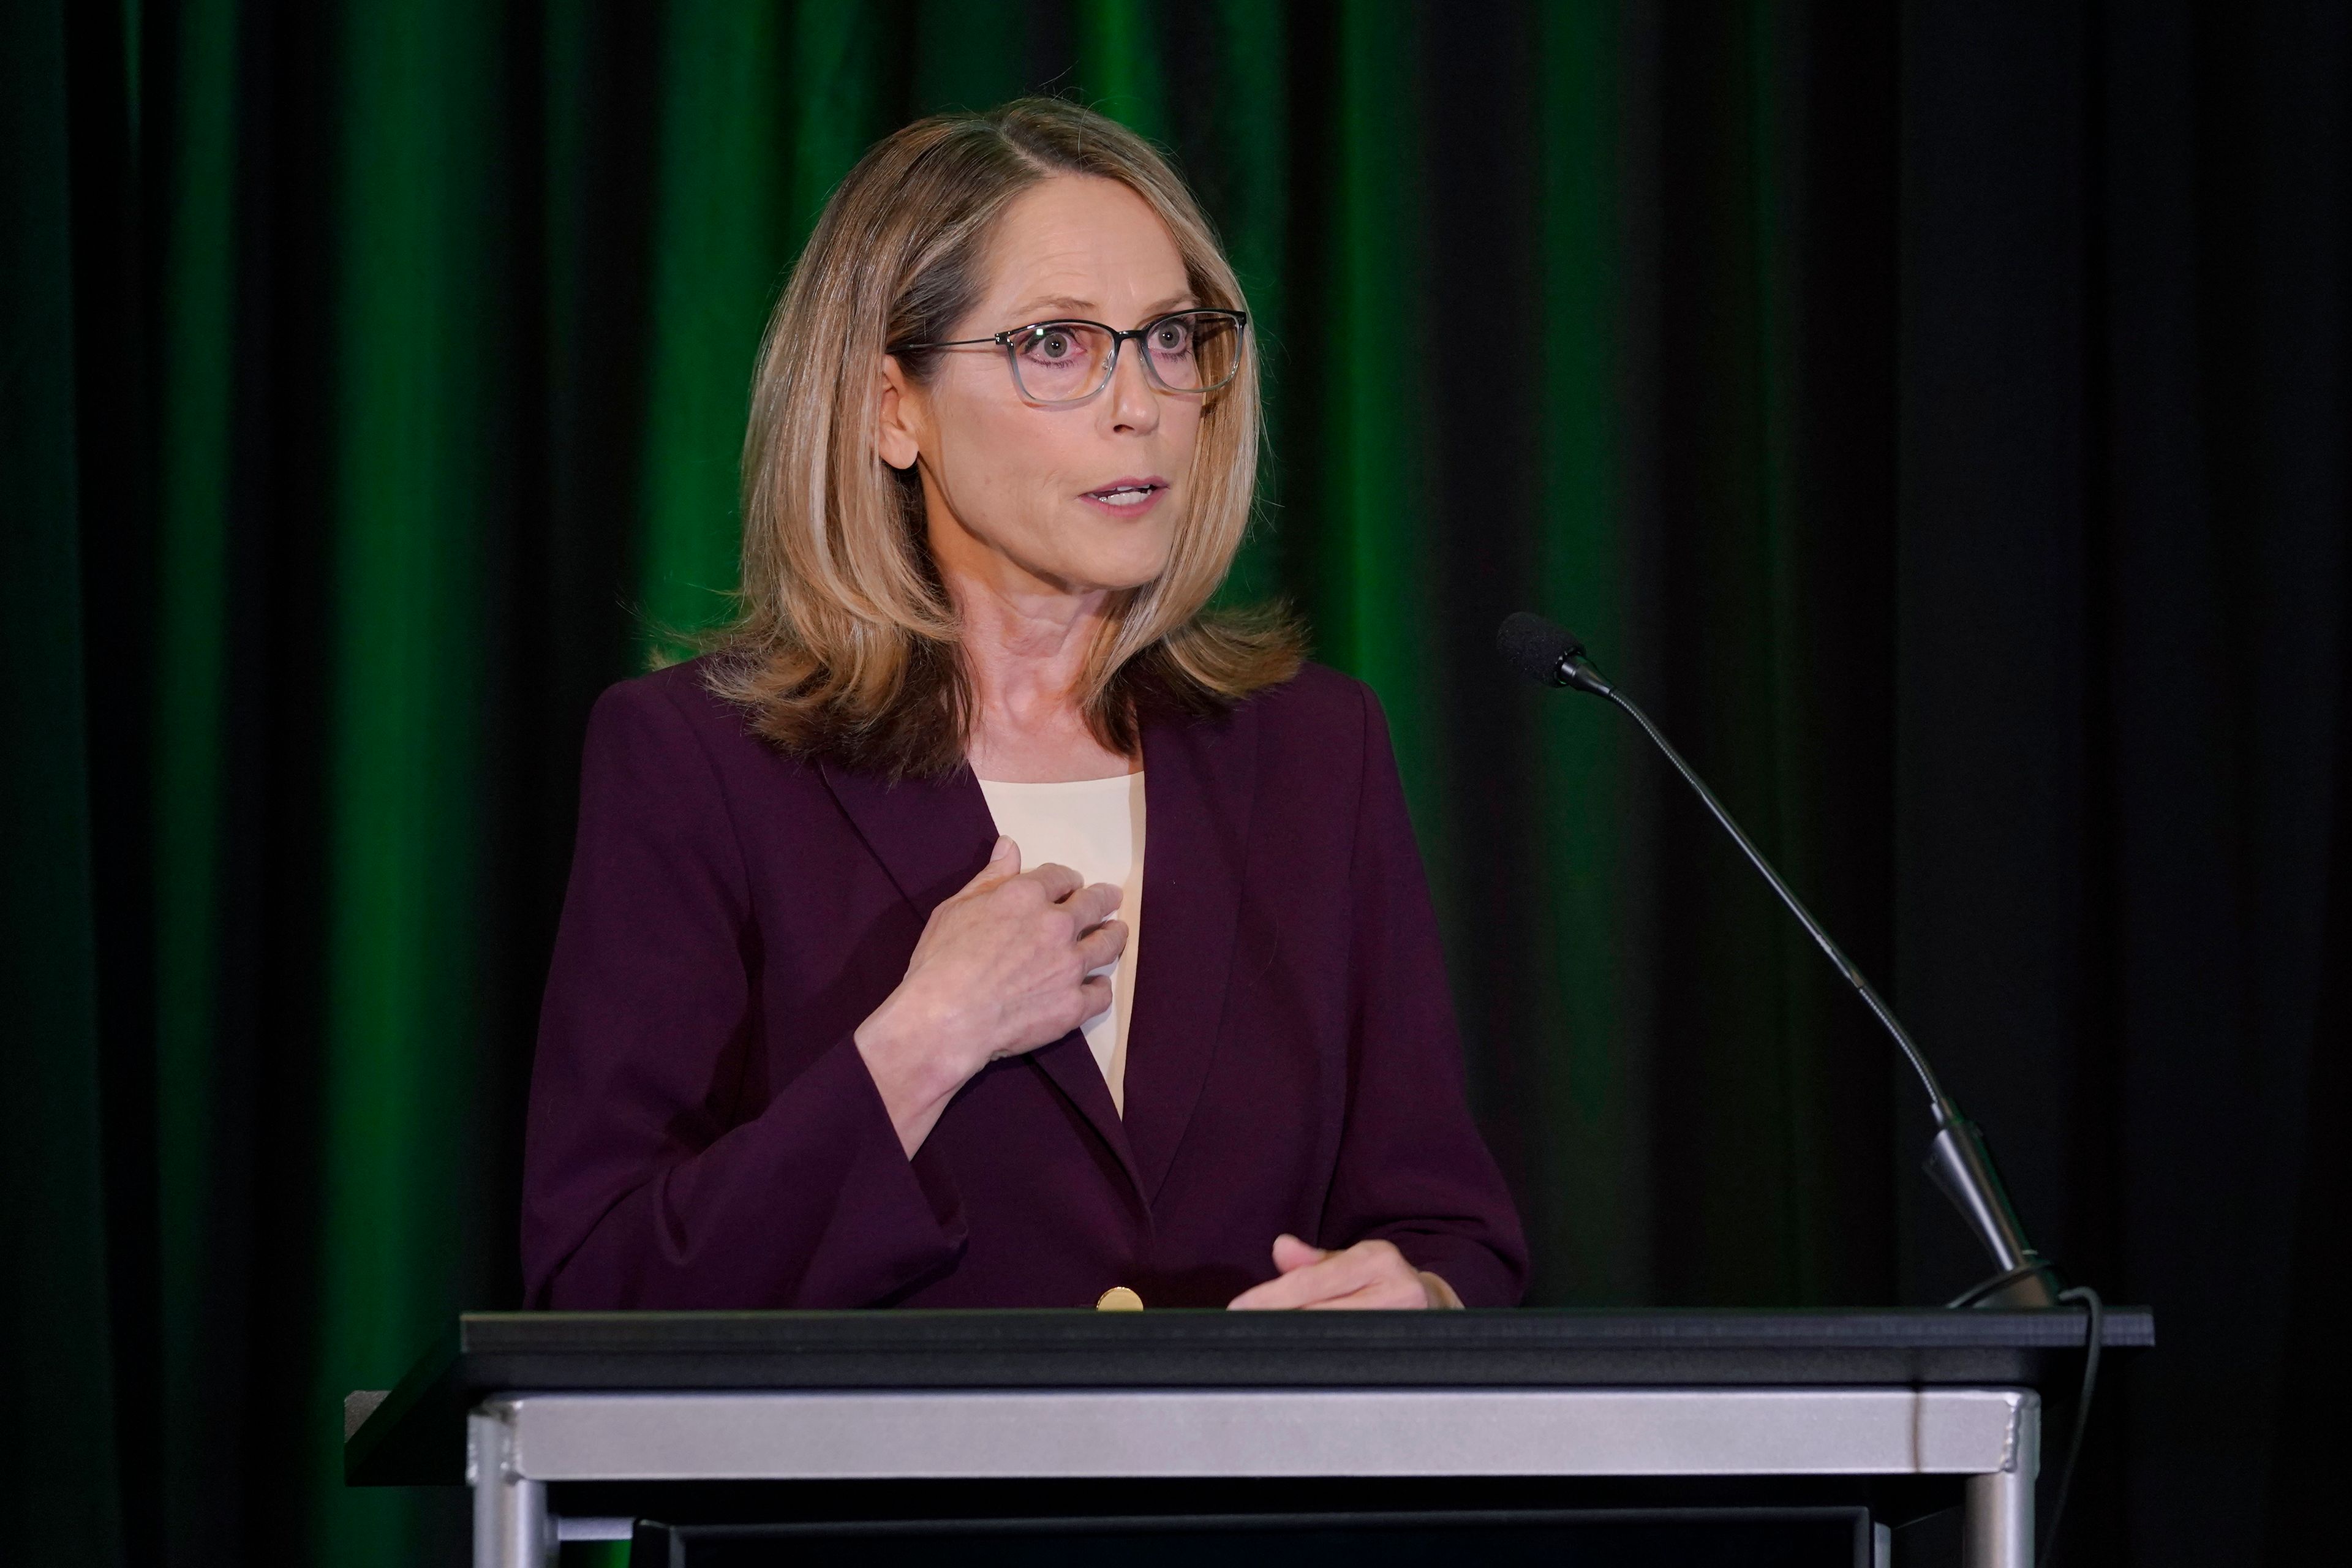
(2097, 1328)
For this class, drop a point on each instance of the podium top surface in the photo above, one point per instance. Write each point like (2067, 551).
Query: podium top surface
(415, 1434)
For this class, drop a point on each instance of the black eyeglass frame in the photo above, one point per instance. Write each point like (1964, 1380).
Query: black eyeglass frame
(1119, 340)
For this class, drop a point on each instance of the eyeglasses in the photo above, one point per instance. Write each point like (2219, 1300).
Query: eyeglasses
(1058, 363)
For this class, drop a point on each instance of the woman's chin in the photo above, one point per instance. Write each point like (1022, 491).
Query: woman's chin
(1128, 581)
(1114, 570)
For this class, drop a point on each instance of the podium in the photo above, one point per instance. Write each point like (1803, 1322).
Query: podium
(579, 1425)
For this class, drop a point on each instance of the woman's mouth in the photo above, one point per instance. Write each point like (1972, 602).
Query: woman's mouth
(1128, 497)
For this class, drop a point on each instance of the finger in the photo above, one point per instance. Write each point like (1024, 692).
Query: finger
(1363, 1267)
(1384, 1295)
(1333, 1276)
(1284, 1293)
(1103, 944)
(1093, 998)
(1092, 904)
(1004, 864)
(1383, 1279)
(1290, 1253)
(1058, 882)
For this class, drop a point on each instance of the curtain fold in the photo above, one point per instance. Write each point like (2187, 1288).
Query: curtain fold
(63, 1436)
(1933, 415)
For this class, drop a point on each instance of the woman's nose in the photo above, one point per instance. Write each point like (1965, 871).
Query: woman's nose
(1132, 403)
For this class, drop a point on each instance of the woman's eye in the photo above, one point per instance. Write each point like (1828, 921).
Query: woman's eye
(1172, 338)
(1052, 345)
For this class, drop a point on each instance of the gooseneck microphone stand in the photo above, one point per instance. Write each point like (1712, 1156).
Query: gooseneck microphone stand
(1958, 1158)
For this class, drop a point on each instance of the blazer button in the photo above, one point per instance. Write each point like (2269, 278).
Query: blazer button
(1119, 1299)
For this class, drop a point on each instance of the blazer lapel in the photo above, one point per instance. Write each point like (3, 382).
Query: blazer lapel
(933, 836)
(1200, 783)
(1070, 1063)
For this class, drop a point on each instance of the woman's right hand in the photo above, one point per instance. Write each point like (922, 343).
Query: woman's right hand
(1002, 968)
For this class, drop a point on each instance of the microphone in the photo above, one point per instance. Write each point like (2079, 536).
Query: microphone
(1957, 1160)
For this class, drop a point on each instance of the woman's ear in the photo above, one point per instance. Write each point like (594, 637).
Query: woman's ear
(895, 434)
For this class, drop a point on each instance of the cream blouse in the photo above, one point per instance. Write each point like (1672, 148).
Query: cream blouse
(1095, 827)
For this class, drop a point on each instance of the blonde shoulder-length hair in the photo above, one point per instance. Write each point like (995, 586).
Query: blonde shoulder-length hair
(844, 643)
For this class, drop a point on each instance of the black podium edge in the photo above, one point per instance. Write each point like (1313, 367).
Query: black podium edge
(414, 1434)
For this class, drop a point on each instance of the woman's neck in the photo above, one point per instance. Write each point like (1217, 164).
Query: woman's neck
(1025, 645)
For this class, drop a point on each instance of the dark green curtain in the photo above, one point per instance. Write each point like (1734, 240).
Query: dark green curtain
(1936, 414)
(61, 1378)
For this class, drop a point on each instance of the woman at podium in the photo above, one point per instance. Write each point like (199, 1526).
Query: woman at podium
(985, 920)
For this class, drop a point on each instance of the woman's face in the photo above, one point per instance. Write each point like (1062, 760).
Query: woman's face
(1076, 498)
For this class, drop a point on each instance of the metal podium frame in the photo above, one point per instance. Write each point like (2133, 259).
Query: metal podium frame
(519, 1444)
(548, 1415)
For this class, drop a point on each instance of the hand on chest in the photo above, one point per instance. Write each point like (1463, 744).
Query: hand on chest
(1095, 828)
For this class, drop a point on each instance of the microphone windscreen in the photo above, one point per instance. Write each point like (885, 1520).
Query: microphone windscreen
(1537, 647)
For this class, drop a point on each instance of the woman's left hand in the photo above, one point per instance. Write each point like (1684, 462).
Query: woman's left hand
(1369, 1274)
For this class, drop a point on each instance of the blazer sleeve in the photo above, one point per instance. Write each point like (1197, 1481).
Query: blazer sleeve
(1411, 1167)
(640, 1187)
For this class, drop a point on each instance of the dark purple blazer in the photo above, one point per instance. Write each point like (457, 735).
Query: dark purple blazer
(704, 1133)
